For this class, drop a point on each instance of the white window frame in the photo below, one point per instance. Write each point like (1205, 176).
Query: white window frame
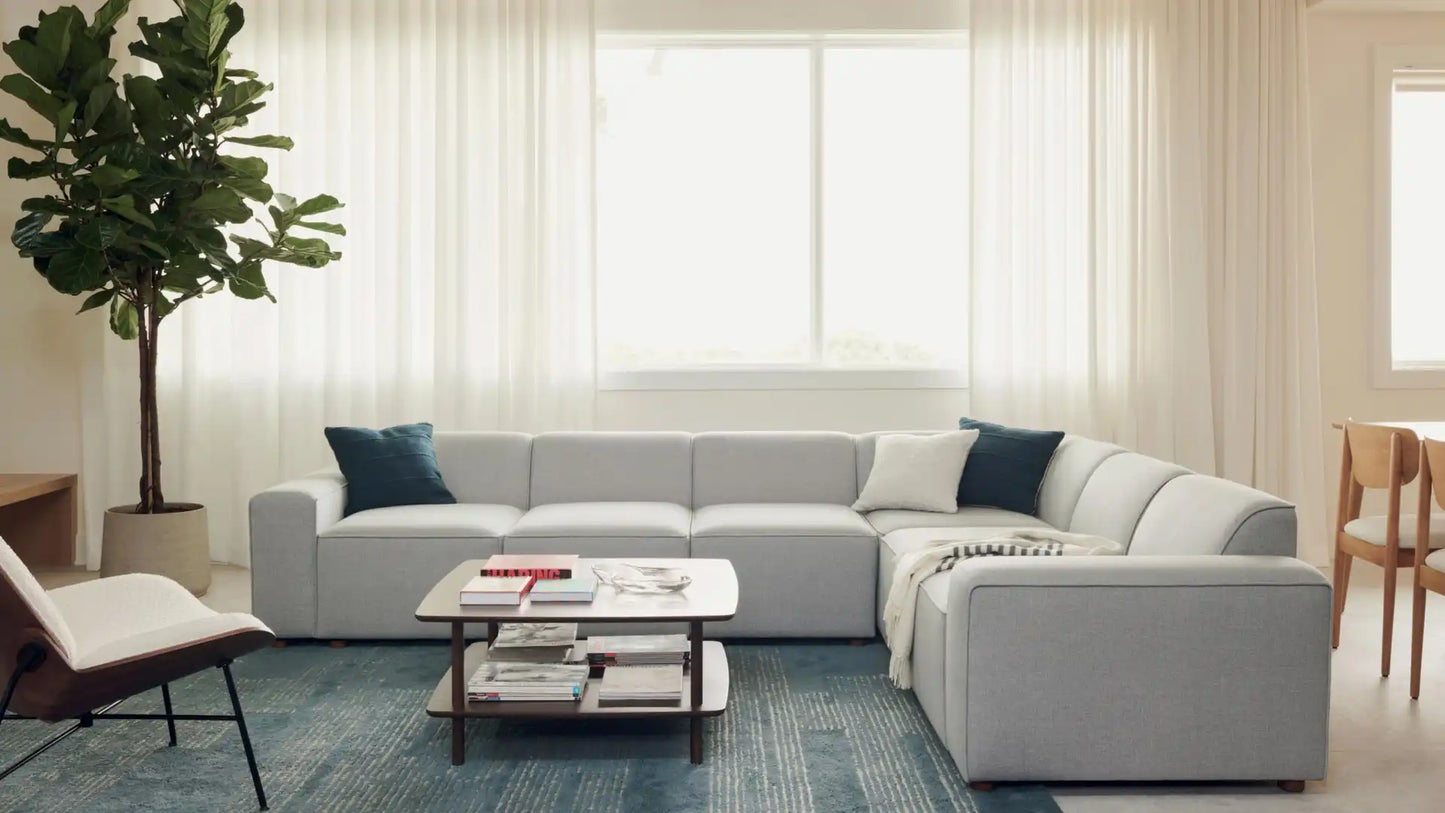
(814, 374)
(1390, 60)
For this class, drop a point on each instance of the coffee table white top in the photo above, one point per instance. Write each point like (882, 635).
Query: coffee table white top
(712, 596)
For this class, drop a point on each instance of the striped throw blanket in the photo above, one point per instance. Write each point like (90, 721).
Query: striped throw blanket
(935, 557)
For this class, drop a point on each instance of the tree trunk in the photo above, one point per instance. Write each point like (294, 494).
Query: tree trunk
(148, 316)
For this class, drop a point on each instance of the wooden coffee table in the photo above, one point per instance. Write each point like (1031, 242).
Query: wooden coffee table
(712, 596)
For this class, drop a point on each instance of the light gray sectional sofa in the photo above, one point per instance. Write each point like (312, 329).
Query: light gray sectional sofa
(1202, 654)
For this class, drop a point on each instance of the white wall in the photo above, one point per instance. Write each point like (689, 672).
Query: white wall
(1341, 66)
(39, 341)
(842, 410)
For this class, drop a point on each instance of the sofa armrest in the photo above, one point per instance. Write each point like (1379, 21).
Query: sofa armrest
(1138, 668)
(285, 522)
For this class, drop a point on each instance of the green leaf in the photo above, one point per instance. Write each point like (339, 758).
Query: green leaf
(96, 299)
(235, 20)
(95, 106)
(24, 88)
(55, 31)
(240, 96)
(308, 251)
(250, 283)
(100, 233)
(37, 63)
(317, 205)
(256, 190)
(206, 22)
(28, 228)
(249, 167)
(109, 177)
(63, 120)
(124, 205)
(15, 135)
(52, 206)
(20, 169)
(271, 141)
(107, 16)
(76, 270)
(286, 202)
(94, 75)
(124, 320)
(329, 228)
(220, 204)
(152, 112)
(237, 73)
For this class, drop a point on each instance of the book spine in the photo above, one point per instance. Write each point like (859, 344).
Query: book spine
(536, 573)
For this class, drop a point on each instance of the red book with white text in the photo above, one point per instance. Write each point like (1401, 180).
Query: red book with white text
(540, 566)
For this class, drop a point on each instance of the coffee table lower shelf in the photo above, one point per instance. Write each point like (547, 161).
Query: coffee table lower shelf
(715, 681)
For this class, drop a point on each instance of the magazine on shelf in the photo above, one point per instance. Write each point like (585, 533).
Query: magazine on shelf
(538, 654)
(634, 649)
(533, 635)
(656, 683)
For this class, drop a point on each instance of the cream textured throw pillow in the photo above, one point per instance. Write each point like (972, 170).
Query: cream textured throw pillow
(917, 472)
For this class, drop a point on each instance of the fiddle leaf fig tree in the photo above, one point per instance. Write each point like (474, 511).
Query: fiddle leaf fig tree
(149, 204)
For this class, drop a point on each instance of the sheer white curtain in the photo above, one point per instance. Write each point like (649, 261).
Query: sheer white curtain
(459, 135)
(1143, 267)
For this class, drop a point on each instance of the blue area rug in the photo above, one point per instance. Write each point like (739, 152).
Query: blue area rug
(810, 727)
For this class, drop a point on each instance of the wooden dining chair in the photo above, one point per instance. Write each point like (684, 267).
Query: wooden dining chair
(1388, 458)
(1429, 566)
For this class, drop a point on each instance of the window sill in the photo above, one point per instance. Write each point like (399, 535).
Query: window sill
(782, 378)
(1410, 378)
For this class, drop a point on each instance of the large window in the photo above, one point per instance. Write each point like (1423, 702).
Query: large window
(1410, 222)
(790, 206)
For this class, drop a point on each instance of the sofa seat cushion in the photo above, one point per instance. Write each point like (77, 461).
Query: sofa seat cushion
(605, 519)
(779, 519)
(1373, 529)
(967, 517)
(899, 542)
(456, 521)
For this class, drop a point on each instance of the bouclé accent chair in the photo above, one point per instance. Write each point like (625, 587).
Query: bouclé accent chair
(77, 652)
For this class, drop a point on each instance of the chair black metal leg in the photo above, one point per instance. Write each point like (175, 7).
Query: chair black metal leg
(245, 737)
(46, 746)
(170, 712)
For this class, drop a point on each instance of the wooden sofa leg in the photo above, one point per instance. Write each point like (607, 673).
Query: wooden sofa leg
(1292, 785)
(338, 644)
(981, 787)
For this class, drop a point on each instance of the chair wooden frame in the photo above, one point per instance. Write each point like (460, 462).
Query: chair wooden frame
(40, 684)
(1379, 457)
(1432, 459)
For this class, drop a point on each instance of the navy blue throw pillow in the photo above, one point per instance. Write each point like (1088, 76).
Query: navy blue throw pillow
(1006, 466)
(396, 466)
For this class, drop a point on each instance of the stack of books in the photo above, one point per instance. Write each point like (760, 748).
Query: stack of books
(649, 684)
(503, 682)
(554, 578)
(636, 650)
(536, 643)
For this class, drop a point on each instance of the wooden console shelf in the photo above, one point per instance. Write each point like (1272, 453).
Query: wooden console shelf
(37, 517)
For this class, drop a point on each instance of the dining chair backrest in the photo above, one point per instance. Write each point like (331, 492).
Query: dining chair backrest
(24, 606)
(1432, 462)
(1373, 447)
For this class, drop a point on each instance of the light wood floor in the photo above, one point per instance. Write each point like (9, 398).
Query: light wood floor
(1387, 753)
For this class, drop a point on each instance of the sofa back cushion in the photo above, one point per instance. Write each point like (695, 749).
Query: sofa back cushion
(612, 466)
(486, 467)
(1196, 514)
(773, 467)
(1117, 494)
(865, 446)
(1074, 463)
